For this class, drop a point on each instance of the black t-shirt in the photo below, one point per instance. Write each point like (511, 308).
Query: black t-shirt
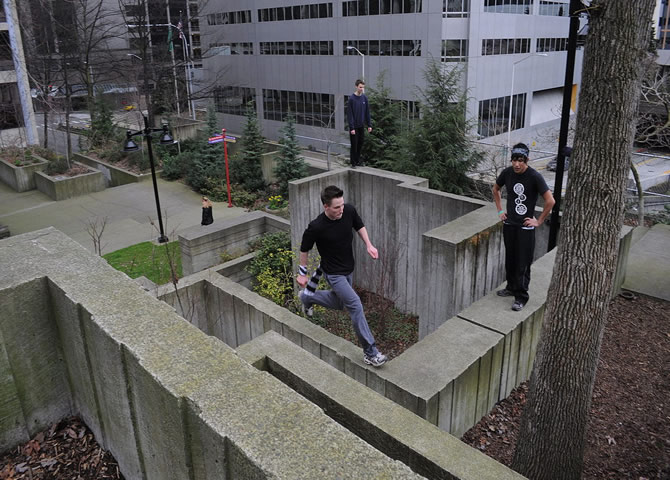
(522, 192)
(333, 239)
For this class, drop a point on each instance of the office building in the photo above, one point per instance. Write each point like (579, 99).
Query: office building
(294, 55)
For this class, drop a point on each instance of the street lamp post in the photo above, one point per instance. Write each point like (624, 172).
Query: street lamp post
(349, 47)
(131, 146)
(511, 96)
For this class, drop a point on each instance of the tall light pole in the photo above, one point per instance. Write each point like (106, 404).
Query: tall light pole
(349, 47)
(511, 96)
(131, 146)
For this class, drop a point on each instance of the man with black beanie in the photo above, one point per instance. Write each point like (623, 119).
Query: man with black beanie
(523, 184)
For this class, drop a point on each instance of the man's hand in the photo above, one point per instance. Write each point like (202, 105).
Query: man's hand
(372, 251)
(503, 216)
(530, 222)
(369, 129)
(302, 280)
(353, 132)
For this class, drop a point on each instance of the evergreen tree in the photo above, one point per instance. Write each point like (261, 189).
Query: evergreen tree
(381, 145)
(438, 146)
(103, 129)
(246, 167)
(290, 165)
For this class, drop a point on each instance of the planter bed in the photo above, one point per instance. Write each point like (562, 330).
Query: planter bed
(113, 175)
(22, 178)
(61, 187)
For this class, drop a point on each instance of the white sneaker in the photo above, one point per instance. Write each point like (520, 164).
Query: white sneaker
(307, 311)
(376, 360)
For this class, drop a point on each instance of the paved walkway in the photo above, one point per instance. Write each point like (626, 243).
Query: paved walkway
(130, 211)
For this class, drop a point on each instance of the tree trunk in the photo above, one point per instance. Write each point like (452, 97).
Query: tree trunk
(552, 433)
(640, 195)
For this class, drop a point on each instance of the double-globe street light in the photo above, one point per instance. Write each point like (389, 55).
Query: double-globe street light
(131, 146)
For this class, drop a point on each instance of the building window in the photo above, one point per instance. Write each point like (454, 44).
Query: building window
(454, 50)
(313, 47)
(522, 7)
(505, 46)
(245, 48)
(357, 8)
(398, 48)
(555, 8)
(455, 8)
(494, 115)
(234, 100)
(313, 109)
(229, 18)
(296, 12)
(552, 45)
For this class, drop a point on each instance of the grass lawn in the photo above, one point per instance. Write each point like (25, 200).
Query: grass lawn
(147, 259)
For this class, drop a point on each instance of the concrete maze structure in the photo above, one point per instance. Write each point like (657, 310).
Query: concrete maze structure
(212, 381)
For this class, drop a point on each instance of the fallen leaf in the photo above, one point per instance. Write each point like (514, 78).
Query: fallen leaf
(610, 440)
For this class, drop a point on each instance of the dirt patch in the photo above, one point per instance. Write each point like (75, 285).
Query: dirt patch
(64, 451)
(628, 435)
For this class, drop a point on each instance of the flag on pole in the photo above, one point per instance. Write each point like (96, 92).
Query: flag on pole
(170, 46)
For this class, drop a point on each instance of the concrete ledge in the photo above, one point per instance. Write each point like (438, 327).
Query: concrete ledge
(61, 187)
(382, 423)
(113, 175)
(202, 246)
(167, 400)
(21, 179)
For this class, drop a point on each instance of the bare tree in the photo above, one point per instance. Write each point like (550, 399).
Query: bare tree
(95, 227)
(552, 432)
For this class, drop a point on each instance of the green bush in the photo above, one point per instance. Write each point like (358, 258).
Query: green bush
(272, 268)
(173, 167)
(57, 166)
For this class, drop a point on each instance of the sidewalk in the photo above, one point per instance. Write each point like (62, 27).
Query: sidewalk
(130, 210)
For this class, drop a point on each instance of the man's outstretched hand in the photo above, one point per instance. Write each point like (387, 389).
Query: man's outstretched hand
(372, 251)
(302, 280)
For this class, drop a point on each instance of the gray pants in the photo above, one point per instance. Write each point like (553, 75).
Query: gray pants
(343, 296)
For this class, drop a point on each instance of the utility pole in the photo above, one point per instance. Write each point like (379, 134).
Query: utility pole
(565, 122)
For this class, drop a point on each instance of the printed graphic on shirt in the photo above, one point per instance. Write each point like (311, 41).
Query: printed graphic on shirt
(520, 208)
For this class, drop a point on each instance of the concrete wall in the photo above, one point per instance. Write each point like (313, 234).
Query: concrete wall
(390, 428)
(202, 246)
(61, 187)
(114, 176)
(441, 252)
(169, 402)
(21, 179)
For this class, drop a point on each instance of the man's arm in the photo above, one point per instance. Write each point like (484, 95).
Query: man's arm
(372, 251)
(350, 116)
(302, 279)
(549, 203)
(367, 114)
(497, 198)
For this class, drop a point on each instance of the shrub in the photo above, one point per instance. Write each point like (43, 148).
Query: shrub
(242, 198)
(57, 166)
(272, 268)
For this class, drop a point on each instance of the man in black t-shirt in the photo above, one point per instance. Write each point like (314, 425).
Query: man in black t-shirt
(332, 232)
(523, 184)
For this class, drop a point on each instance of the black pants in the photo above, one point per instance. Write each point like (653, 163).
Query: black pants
(519, 248)
(357, 145)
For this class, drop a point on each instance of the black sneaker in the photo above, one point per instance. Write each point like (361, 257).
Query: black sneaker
(518, 306)
(504, 293)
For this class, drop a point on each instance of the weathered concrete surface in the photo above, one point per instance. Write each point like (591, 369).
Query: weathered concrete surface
(649, 264)
(168, 401)
(113, 176)
(21, 179)
(379, 421)
(61, 187)
(202, 246)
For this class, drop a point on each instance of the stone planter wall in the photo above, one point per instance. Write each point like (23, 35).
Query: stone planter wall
(62, 187)
(113, 176)
(21, 179)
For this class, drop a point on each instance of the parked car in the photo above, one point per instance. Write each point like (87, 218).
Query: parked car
(553, 164)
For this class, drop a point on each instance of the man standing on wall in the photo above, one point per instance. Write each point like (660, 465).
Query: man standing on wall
(523, 185)
(358, 115)
(333, 235)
